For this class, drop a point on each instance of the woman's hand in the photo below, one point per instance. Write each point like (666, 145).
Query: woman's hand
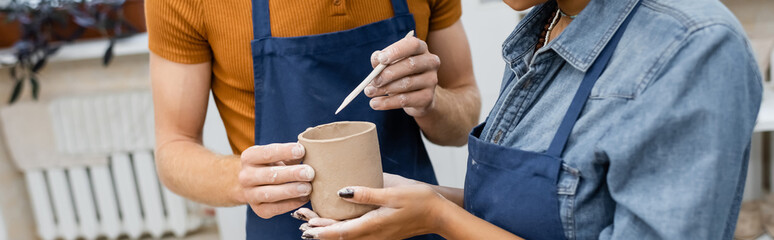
(407, 208)
(408, 81)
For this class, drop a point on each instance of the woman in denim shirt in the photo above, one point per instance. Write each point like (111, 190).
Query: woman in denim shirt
(631, 120)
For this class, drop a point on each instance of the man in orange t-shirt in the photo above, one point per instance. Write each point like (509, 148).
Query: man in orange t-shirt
(203, 45)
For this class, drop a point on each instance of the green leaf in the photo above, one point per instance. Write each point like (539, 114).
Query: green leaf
(108, 53)
(35, 87)
(16, 92)
(39, 65)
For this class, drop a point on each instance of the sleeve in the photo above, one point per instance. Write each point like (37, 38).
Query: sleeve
(678, 160)
(175, 30)
(444, 13)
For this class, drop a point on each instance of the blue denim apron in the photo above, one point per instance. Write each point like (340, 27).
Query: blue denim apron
(299, 83)
(516, 189)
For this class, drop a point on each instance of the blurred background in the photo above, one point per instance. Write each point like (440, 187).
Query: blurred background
(76, 124)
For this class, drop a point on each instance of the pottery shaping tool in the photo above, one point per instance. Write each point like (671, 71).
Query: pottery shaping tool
(378, 69)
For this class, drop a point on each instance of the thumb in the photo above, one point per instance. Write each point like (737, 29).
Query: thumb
(365, 195)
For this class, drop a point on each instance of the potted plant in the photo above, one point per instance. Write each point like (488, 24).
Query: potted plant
(36, 31)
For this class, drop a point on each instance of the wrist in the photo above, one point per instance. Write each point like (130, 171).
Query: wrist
(431, 110)
(441, 219)
(237, 195)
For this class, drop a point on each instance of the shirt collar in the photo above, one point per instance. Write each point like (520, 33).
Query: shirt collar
(581, 42)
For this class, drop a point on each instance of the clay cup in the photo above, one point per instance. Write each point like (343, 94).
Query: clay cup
(342, 154)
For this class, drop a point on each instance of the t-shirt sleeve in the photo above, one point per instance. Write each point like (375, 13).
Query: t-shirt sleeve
(444, 13)
(176, 30)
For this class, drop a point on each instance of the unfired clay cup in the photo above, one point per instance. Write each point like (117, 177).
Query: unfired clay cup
(342, 154)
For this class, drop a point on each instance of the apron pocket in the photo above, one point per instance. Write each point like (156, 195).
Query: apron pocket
(569, 177)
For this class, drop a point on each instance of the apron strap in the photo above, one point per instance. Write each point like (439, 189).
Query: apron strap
(262, 23)
(399, 7)
(579, 100)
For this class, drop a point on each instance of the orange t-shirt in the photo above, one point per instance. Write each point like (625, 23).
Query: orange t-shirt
(196, 31)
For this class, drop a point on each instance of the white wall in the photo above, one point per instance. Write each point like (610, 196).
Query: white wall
(487, 25)
(231, 221)
(3, 234)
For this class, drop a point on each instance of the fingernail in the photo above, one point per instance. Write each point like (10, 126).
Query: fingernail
(298, 151)
(306, 173)
(299, 216)
(307, 236)
(346, 193)
(369, 90)
(375, 55)
(304, 226)
(374, 103)
(304, 189)
(383, 58)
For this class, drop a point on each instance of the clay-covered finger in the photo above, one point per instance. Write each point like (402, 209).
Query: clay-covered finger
(421, 98)
(268, 154)
(268, 175)
(304, 227)
(276, 193)
(406, 47)
(304, 214)
(406, 67)
(321, 222)
(403, 85)
(269, 210)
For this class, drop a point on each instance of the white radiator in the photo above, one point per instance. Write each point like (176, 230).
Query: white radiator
(89, 166)
(122, 198)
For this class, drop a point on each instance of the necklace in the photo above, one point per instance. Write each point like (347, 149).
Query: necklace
(565, 15)
(552, 25)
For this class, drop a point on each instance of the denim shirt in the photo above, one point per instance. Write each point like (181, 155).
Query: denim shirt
(660, 150)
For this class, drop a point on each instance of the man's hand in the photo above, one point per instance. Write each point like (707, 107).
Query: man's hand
(408, 81)
(272, 179)
(442, 98)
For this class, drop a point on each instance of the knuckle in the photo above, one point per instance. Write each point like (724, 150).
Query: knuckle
(244, 180)
(386, 75)
(258, 195)
(423, 44)
(416, 44)
(412, 63)
(403, 99)
(245, 156)
(392, 51)
(268, 151)
(436, 61)
(406, 83)
(365, 196)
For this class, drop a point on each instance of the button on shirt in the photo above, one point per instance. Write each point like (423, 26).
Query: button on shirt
(660, 150)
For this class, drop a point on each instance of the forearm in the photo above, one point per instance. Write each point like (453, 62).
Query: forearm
(456, 223)
(453, 114)
(196, 173)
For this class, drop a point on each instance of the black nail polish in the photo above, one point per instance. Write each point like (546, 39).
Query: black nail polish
(347, 193)
(307, 236)
(299, 216)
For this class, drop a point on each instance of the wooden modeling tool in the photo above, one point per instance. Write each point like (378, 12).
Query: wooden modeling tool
(378, 69)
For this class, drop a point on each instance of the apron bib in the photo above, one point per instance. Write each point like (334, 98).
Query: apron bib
(516, 189)
(299, 83)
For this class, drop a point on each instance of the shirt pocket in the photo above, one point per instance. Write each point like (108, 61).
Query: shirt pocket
(569, 177)
(617, 83)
